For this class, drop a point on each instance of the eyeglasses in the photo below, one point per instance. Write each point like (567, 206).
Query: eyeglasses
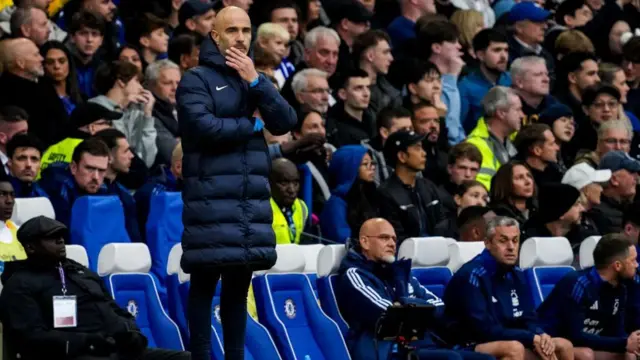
(609, 104)
(611, 141)
(383, 237)
(368, 165)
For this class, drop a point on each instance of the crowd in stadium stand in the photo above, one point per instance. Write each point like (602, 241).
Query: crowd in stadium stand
(476, 120)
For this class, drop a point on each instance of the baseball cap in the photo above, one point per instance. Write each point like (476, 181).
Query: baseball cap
(554, 112)
(581, 175)
(353, 11)
(400, 141)
(191, 8)
(528, 10)
(40, 227)
(590, 94)
(619, 160)
(89, 112)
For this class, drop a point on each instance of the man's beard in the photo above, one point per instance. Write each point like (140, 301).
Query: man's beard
(494, 70)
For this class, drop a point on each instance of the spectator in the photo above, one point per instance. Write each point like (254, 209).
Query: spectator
(538, 149)
(569, 14)
(120, 156)
(612, 51)
(350, 20)
(350, 118)
(472, 223)
(587, 306)
(19, 87)
(560, 211)
(13, 121)
(364, 294)
(290, 214)
(531, 83)
(196, 16)
(173, 19)
(273, 39)
(601, 104)
(402, 28)
(559, 118)
(60, 73)
(371, 52)
(286, 14)
(162, 78)
(31, 23)
(469, 23)
(86, 35)
(242, 4)
(439, 45)
(570, 41)
(513, 192)
(164, 179)
(529, 23)
(424, 84)
(83, 177)
(118, 84)
(409, 202)
(184, 50)
(132, 55)
(389, 121)
(613, 135)
(55, 32)
(311, 14)
(10, 247)
(511, 329)
(106, 330)
(463, 164)
(149, 33)
(618, 192)
(470, 193)
(311, 90)
(426, 122)
(353, 193)
(492, 51)
(631, 229)
(205, 117)
(24, 152)
(577, 72)
(105, 10)
(613, 75)
(86, 120)
(503, 116)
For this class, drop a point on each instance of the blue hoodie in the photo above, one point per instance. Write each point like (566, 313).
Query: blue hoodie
(343, 169)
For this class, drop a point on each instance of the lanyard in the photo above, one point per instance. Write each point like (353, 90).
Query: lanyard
(288, 213)
(62, 278)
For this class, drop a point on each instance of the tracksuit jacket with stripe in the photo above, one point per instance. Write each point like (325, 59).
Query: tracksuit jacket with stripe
(487, 301)
(588, 311)
(365, 289)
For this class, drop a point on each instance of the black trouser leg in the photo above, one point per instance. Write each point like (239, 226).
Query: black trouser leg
(201, 290)
(233, 311)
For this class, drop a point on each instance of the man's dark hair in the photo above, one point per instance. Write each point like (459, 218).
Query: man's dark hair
(281, 4)
(183, 44)
(24, 141)
(464, 150)
(528, 137)
(12, 114)
(107, 75)
(631, 50)
(471, 214)
(386, 116)
(417, 69)
(435, 32)
(418, 106)
(610, 248)
(92, 146)
(573, 62)
(85, 19)
(20, 16)
(485, 37)
(110, 137)
(568, 8)
(144, 26)
(352, 73)
(365, 41)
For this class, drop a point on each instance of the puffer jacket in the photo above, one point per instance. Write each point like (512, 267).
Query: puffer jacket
(227, 215)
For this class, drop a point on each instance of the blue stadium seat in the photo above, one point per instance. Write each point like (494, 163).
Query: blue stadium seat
(164, 230)
(585, 256)
(95, 222)
(27, 208)
(546, 261)
(177, 291)
(288, 307)
(329, 261)
(429, 257)
(461, 252)
(126, 267)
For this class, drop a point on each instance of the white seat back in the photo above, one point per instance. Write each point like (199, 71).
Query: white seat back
(427, 251)
(28, 208)
(311, 253)
(78, 253)
(546, 251)
(173, 261)
(586, 251)
(329, 259)
(118, 258)
(290, 260)
(460, 252)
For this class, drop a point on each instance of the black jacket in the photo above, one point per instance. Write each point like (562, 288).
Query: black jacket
(383, 94)
(26, 310)
(346, 130)
(413, 212)
(608, 215)
(506, 209)
(166, 124)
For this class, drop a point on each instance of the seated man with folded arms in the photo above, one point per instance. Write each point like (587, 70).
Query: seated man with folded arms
(489, 304)
(589, 306)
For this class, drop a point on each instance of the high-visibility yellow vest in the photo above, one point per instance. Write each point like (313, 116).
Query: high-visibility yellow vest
(490, 164)
(281, 226)
(60, 152)
(13, 250)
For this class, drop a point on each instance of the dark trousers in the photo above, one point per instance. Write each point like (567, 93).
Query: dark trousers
(452, 355)
(149, 354)
(233, 311)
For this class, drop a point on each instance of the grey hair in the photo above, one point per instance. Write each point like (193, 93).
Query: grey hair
(500, 221)
(614, 125)
(20, 16)
(312, 37)
(152, 73)
(300, 80)
(521, 65)
(496, 98)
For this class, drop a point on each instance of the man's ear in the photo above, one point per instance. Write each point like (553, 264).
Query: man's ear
(342, 94)
(412, 88)
(73, 167)
(144, 41)
(436, 48)
(190, 24)
(572, 78)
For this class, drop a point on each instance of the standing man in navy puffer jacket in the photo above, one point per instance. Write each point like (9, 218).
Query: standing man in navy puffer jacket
(227, 215)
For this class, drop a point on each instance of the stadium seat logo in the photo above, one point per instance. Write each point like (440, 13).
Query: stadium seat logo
(290, 309)
(216, 313)
(132, 308)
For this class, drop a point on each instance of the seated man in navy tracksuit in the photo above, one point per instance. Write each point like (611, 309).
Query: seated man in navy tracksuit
(370, 280)
(589, 306)
(489, 304)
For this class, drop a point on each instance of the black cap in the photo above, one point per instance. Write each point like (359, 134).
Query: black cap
(555, 112)
(191, 8)
(400, 141)
(590, 94)
(471, 213)
(353, 11)
(90, 112)
(555, 200)
(40, 227)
